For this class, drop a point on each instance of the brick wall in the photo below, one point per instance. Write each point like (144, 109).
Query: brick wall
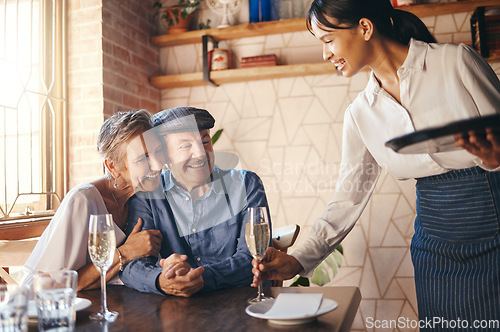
(110, 58)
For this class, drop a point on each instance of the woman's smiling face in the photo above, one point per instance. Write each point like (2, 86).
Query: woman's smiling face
(345, 48)
(145, 158)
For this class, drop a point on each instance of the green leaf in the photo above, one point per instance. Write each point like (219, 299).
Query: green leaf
(216, 136)
(320, 276)
(300, 281)
(338, 257)
(340, 249)
(157, 5)
(330, 261)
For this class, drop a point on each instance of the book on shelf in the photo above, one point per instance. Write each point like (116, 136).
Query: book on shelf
(258, 64)
(260, 58)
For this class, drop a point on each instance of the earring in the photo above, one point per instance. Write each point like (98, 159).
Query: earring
(115, 185)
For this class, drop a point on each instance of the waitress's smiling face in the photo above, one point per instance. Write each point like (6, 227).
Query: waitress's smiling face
(346, 48)
(190, 157)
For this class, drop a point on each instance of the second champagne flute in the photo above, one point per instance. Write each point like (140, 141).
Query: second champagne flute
(102, 246)
(257, 236)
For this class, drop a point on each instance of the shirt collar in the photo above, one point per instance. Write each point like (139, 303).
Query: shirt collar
(415, 60)
(215, 185)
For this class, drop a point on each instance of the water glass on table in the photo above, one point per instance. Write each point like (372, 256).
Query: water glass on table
(55, 294)
(257, 236)
(13, 308)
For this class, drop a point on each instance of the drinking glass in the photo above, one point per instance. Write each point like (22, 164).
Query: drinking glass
(257, 236)
(55, 299)
(102, 246)
(13, 308)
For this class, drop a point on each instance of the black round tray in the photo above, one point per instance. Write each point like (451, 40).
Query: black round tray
(440, 139)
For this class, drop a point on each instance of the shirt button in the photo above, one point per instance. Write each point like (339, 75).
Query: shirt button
(194, 230)
(198, 259)
(187, 198)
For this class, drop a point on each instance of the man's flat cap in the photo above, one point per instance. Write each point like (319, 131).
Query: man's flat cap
(183, 119)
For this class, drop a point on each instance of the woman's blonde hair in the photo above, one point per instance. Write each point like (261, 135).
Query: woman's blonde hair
(118, 129)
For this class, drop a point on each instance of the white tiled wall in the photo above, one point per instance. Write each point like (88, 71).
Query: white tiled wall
(289, 132)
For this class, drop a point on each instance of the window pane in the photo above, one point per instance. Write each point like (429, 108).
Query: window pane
(31, 100)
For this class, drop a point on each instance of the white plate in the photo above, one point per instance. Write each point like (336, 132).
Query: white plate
(259, 310)
(80, 304)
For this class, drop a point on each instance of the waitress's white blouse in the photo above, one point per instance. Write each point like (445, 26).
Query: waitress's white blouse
(63, 244)
(439, 83)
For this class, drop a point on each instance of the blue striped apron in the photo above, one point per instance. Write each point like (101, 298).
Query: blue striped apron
(456, 248)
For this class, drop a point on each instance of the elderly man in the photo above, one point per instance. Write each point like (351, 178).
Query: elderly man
(200, 211)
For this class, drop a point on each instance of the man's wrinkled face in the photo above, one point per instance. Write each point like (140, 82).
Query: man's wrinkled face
(190, 157)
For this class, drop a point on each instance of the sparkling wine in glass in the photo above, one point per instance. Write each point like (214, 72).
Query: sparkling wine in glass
(102, 246)
(257, 236)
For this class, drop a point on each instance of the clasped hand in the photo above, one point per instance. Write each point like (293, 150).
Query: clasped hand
(141, 243)
(178, 277)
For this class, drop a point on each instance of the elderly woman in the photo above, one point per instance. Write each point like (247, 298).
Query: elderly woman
(133, 158)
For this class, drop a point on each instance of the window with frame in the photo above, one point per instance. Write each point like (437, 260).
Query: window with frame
(32, 107)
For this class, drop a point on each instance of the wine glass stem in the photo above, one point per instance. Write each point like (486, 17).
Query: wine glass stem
(260, 292)
(103, 292)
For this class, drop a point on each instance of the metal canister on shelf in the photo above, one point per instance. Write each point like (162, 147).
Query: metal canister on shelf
(220, 59)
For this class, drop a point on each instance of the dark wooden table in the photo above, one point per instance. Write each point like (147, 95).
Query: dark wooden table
(222, 310)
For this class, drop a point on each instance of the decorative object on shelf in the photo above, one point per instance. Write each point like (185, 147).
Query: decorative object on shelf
(224, 8)
(403, 3)
(259, 10)
(259, 61)
(202, 25)
(179, 16)
(485, 31)
(219, 59)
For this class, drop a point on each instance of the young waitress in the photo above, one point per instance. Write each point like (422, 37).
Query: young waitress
(415, 83)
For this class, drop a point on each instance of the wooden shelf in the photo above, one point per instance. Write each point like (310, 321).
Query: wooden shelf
(276, 27)
(298, 24)
(241, 75)
(232, 32)
(249, 74)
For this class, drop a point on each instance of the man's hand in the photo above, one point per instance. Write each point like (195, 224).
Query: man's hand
(488, 150)
(276, 265)
(178, 278)
(141, 243)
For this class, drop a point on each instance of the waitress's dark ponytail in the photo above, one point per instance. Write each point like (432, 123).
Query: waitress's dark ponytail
(407, 26)
(391, 23)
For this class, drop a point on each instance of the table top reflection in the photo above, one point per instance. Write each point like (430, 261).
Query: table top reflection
(222, 310)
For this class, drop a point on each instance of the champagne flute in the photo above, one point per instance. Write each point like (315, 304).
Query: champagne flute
(102, 246)
(257, 236)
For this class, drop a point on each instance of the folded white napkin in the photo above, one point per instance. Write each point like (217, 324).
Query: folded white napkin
(289, 305)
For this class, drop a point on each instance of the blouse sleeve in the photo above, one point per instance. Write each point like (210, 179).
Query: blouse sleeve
(483, 85)
(63, 244)
(358, 176)
(480, 80)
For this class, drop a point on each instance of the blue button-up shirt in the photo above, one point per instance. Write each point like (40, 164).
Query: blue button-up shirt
(210, 230)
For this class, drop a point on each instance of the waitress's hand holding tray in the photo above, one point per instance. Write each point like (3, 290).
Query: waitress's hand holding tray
(479, 136)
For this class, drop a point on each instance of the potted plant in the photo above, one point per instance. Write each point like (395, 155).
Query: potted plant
(325, 271)
(177, 17)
